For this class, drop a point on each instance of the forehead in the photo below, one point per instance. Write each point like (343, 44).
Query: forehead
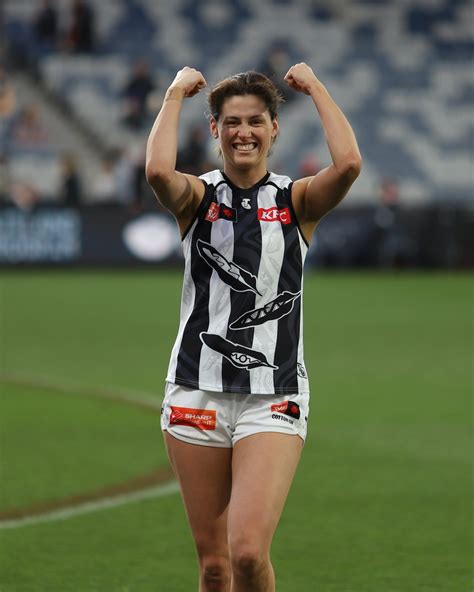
(243, 106)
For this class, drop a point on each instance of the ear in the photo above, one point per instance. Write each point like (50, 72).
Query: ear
(275, 129)
(213, 128)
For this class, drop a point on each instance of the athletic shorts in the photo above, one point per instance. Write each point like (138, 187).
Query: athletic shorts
(222, 419)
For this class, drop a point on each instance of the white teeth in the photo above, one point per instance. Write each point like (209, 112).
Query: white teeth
(245, 147)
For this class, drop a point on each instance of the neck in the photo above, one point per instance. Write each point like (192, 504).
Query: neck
(245, 178)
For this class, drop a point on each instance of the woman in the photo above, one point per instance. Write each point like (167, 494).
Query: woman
(236, 403)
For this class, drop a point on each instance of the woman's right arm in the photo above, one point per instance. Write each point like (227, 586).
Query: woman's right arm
(180, 193)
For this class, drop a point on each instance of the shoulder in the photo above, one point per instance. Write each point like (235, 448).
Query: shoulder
(279, 181)
(212, 177)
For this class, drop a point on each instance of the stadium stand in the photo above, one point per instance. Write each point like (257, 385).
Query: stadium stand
(400, 69)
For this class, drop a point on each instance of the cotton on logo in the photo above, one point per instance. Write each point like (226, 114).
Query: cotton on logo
(274, 215)
(202, 419)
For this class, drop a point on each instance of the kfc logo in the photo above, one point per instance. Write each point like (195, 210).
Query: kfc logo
(274, 215)
(202, 419)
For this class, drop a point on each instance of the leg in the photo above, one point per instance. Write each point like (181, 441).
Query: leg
(263, 467)
(205, 477)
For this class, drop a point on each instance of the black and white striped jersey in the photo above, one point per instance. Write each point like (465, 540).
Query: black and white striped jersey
(241, 327)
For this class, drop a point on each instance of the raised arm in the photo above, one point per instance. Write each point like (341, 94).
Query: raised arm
(314, 196)
(178, 192)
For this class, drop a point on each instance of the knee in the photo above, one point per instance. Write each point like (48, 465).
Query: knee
(248, 561)
(215, 573)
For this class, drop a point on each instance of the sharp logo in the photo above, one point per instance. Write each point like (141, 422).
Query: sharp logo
(274, 215)
(202, 419)
(217, 211)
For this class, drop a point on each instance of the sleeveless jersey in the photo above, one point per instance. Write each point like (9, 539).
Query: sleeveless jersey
(241, 327)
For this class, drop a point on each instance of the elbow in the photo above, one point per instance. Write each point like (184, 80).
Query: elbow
(351, 168)
(156, 175)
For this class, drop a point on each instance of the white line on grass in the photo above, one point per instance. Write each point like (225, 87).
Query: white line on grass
(117, 394)
(89, 507)
(134, 397)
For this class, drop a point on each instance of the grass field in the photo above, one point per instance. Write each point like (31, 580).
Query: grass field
(382, 498)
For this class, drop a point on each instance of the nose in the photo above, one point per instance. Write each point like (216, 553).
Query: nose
(244, 131)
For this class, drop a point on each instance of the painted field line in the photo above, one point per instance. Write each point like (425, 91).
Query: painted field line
(95, 506)
(144, 400)
(139, 398)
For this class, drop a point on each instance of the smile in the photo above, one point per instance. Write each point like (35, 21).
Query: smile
(244, 147)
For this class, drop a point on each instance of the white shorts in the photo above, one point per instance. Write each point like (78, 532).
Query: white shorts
(222, 419)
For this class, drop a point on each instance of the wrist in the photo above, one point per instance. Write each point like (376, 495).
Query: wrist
(174, 93)
(317, 88)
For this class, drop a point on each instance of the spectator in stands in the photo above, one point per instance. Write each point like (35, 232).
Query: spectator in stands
(30, 132)
(70, 182)
(104, 189)
(7, 112)
(192, 158)
(123, 173)
(80, 37)
(4, 179)
(139, 186)
(275, 65)
(24, 195)
(136, 93)
(141, 194)
(45, 25)
(394, 247)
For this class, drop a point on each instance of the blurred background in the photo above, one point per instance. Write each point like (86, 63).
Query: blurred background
(81, 82)
(383, 499)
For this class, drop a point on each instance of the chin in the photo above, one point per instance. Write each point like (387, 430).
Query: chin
(247, 161)
(245, 166)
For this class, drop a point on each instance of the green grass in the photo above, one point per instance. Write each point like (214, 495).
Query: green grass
(55, 446)
(382, 498)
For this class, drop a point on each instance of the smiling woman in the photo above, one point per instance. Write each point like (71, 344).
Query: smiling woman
(236, 403)
(246, 107)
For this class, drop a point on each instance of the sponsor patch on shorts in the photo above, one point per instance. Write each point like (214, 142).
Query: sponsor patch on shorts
(287, 408)
(202, 419)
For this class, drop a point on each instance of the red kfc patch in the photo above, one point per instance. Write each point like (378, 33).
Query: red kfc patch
(274, 215)
(202, 419)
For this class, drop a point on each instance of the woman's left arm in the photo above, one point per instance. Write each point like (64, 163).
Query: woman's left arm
(314, 196)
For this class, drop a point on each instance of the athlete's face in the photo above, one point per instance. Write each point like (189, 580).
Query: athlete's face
(245, 130)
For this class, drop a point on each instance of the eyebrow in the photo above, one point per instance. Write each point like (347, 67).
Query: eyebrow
(236, 117)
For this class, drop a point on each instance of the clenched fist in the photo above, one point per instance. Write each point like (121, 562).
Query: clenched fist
(301, 78)
(189, 81)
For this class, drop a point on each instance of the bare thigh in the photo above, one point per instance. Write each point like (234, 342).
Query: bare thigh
(205, 477)
(263, 468)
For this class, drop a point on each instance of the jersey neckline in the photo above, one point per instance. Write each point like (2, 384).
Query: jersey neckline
(258, 184)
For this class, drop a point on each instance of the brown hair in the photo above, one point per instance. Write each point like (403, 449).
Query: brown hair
(245, 83)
